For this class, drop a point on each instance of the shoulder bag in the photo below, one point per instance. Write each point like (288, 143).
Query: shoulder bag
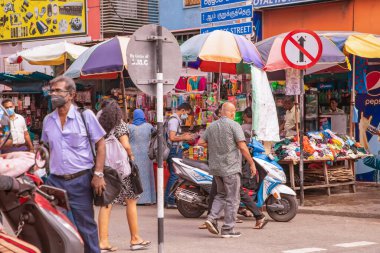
(114, 183)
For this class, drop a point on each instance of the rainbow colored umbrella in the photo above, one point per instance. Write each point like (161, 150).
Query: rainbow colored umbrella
(106, 60)
(270, 50)
(221, 51)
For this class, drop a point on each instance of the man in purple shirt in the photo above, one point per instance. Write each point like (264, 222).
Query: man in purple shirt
(71, 159)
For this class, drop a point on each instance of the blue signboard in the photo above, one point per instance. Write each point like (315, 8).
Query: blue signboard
(240, 29)
(212, 3)
(275, 3)
(227, 14)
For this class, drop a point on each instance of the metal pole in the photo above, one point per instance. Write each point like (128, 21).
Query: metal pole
(122, 87)
(302, 196)
(352, 103)
(160, 120)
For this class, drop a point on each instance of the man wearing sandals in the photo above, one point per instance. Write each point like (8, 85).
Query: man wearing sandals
(226, 145)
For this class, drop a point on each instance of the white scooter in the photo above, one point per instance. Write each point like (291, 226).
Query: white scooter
(194, 184)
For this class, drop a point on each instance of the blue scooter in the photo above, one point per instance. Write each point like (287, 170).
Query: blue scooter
(193, 186)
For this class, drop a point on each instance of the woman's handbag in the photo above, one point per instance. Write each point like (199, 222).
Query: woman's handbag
(114, 183)
(135, 179)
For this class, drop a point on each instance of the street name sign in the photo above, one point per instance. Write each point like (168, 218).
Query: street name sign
(213, 3)
(239, 29)
(227, 14)
(301, 49)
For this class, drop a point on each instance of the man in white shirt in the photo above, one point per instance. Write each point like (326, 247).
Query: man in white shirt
(289, 125)
(20, 136)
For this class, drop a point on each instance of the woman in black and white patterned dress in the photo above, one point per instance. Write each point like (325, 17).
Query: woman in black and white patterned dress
(111, 118)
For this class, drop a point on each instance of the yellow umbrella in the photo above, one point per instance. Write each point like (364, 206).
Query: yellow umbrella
(363, 45)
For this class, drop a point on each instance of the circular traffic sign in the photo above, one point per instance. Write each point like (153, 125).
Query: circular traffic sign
(142, 58)
(301, 49)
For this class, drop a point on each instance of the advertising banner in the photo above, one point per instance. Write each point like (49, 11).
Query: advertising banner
(368, 128)
(30, 19)
(227, 14)
(239, 29)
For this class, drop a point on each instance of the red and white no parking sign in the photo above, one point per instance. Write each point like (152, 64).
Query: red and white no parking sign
(301, 49)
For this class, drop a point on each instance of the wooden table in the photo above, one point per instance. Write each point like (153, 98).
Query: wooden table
(327, 184)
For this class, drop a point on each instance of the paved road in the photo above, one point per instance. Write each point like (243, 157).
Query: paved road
(306, 233)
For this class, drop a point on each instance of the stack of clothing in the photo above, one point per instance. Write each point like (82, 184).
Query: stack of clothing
(323, 145)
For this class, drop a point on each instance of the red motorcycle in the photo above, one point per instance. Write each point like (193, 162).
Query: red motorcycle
(36, 212)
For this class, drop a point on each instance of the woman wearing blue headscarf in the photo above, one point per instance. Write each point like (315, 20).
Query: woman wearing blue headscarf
(139, 138)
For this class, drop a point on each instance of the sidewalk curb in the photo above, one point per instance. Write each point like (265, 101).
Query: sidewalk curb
(338, 213)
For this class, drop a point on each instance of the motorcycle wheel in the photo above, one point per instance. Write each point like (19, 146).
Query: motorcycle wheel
(189, 210)
(291, 206)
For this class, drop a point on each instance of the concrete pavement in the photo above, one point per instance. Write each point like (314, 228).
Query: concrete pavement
(365, 203)
(306, 233)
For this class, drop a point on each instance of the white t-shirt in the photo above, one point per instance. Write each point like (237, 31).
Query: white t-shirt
(18, 129)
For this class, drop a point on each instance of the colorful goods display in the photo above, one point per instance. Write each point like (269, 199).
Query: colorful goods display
(323, 145)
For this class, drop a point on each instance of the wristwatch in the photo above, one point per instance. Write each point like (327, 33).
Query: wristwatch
(99, 174)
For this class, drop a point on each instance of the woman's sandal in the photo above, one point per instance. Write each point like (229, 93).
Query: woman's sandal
(260, 224)
(245, 212)
(108, 249)
(141, 245)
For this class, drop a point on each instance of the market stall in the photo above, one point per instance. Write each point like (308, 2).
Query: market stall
(329, 159)
(27, 95)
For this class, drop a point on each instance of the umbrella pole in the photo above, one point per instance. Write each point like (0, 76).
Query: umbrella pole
(302, 194)
(219, 81)
(64, 62)
(122, 87)
(352, 104)
(297, 117)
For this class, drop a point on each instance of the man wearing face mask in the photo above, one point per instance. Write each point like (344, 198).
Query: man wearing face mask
(175, 138)
(20, 136)
(71, 158)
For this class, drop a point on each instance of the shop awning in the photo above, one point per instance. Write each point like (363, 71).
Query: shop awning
(25, 81)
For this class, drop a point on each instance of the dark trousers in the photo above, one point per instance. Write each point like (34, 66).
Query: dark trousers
(174, 153)
(247, 200)
(79, 191)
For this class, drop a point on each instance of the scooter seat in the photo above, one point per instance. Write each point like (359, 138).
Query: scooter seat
(203, 165)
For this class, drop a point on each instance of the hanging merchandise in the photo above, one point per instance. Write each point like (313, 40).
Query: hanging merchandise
(293, 82)
(265, 121)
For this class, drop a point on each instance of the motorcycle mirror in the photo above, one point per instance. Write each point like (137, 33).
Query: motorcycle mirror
(42, 157)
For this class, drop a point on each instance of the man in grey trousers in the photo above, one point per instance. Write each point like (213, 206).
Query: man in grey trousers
(226, 145)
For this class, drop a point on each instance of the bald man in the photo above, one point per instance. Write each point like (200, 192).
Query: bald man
(226, 145)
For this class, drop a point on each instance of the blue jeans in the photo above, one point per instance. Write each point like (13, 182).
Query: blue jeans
(174, 153)
(80, 192)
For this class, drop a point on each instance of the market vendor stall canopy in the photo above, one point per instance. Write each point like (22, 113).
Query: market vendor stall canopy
(106, 60)
(221, 52)
(25, 81)
(270, 50)
(53, 54)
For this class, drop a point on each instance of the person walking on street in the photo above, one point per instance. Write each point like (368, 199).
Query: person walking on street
(20, 136)
(175, 139)
(226, 143)
(112, 121)
(139, 136)
(71, 159)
